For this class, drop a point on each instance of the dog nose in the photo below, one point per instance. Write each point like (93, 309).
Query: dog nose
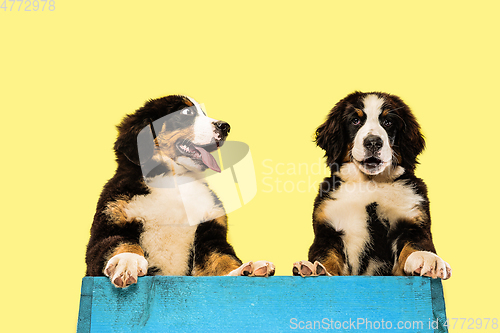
(223, 127)
(373, 143)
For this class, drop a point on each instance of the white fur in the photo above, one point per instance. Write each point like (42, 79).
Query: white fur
(204, 132)
(196, 105)
(351, 172)
(394, 247)
(372, 108)
(126, 264)
(204, 129)
(429, 264)
(347, 211)
(177, 203)
(374, 267)
(185, 164)
(170, 215)
(349, 216)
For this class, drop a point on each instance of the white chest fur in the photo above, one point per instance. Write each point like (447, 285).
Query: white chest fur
(170, 215)
(347, 211)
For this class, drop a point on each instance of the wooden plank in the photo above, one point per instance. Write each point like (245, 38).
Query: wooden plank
(438, 305)
(275, 304)
(85, 313)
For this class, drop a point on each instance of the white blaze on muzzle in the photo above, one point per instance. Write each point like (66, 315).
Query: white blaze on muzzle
(372, 108)
(204, 126)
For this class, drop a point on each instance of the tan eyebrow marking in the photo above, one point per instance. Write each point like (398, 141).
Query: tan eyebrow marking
(188, 102)
(359, 112)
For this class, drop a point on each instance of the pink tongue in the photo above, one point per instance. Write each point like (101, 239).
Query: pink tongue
(208, 159)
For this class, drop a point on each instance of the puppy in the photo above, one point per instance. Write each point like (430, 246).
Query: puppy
(157, 215)
(371, 217)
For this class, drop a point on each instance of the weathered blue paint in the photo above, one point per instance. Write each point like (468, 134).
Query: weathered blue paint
(274, 304)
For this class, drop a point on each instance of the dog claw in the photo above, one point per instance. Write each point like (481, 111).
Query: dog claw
(123, 269)
(259, 268)
(305, 268)
(428, 264)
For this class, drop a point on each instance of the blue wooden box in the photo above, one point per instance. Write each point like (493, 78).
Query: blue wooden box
(274, 304)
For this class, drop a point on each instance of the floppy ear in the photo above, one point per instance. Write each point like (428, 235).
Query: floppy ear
(411, 141)
(135, 140)
(331, 138)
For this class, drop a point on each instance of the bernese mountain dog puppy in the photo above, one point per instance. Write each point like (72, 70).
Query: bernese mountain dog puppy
(371, 216)
(157, 215)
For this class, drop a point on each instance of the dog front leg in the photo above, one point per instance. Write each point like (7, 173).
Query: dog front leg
(126, 263)
(214, 256)
(415, 253)
(326, 255)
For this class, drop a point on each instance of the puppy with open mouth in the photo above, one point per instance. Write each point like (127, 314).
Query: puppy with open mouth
(371, 216)
(157, 215)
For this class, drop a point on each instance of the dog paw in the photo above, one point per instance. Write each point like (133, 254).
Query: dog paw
(425, 263)
(306, 268)
(124, 268)
(259, 268)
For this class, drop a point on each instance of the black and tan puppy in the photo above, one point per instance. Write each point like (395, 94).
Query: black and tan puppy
(157, 215)
(371, 217)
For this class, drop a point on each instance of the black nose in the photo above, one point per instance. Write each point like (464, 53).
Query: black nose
(223, 127)
(373, 143)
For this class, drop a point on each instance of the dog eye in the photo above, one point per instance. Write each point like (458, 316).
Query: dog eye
(387, 123)
(356, 121)
(188, 112)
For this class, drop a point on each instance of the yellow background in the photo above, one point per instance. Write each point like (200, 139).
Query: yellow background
(272, 70)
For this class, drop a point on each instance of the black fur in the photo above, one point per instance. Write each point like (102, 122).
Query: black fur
(128, 182)
(336, 137)
(337, 132)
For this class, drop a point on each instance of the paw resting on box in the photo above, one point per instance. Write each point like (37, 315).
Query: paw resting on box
(305, 268)
(124, 268)
(259, 268)
(425, 263)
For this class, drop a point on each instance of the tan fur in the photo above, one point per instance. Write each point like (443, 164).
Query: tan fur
(116, 211)
(348, 155)
(222, 220)
(167, 140)
(217, 265)
(187, 102)
(359, 112)
(126, 248)
(319, 213)
(333, 263)
(405, 253)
